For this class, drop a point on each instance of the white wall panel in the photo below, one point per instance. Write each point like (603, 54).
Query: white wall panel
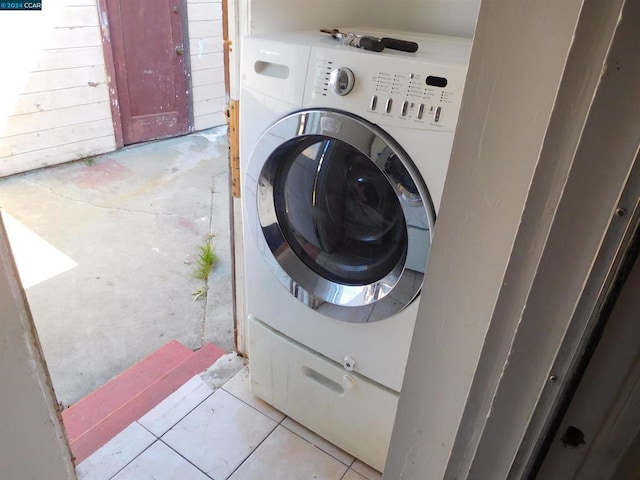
(41, 121)
(200, 46)
(51, 156)
(206, 28)
(54, 99)
(203, 121)
(275, 15)
(79, 16)
(208, 106)
(213, 90)
(53, 137)
(74, 37)
(445, 17)
(69, 58)
(209, 76)
(203, 11)
(54, 108)
(207, 62)
(64, 78)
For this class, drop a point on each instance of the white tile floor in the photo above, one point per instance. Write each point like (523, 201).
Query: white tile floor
(198, 434)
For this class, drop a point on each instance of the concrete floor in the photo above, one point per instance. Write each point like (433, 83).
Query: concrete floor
(117, 237)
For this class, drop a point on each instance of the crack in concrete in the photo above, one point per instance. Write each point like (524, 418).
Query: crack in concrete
(102, 207)
(206, 298)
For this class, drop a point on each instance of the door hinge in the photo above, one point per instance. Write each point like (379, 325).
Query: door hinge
(233, 116)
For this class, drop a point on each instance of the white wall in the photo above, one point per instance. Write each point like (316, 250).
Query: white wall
(54, 102)
(495, 152)
(207, 64)
(445, 17)
(528, 208)
(32, 440)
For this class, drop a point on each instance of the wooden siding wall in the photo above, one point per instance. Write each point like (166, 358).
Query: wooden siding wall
(207, 64)
(54, 102)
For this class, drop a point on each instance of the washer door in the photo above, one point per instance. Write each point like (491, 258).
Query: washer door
(344, 213)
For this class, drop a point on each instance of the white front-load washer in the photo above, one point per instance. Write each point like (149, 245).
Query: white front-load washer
(343, 159)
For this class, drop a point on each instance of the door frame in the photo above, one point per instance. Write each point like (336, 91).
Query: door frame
(236, 24)
(33, 428)
(107, 48)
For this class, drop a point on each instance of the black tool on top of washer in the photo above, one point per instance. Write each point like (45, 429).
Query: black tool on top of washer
(371, 43)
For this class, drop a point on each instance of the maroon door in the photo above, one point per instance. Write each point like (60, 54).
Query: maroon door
(149, 61)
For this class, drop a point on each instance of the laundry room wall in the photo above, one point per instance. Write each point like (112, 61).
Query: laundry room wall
(515, 273)
(444, 17)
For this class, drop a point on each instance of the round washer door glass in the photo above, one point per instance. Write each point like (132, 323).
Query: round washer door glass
(343, 212)
(338, 212)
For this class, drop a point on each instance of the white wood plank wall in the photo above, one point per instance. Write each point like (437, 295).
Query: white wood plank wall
(54, 104)
(207, 64)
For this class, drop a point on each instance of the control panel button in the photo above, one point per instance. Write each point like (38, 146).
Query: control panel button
(421, 111)
(436, 115)
(388, 105)
(374, 102)
(405, 106)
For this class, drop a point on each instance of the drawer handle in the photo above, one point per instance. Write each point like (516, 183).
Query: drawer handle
(322, 380)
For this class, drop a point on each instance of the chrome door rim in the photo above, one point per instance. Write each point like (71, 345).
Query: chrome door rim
(400, 286)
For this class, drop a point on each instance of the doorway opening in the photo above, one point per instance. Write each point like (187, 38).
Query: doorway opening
(115, 238)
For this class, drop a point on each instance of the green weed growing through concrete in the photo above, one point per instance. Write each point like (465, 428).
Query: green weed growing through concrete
(88, 159)
(207, 259)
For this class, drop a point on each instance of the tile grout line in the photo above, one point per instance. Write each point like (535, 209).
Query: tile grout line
(208, 396)
(184, 458)
(349, 465)
(314, 445)
(136, 457)
(259, 443)
(277, 424)
(249, 405)
(181, 418)
(159, 439)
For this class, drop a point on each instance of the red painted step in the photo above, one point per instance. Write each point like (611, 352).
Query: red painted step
(90, 410)
(97, 418)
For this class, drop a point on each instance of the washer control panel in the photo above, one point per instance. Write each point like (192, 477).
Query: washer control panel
(420, 96)
(388, 90)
